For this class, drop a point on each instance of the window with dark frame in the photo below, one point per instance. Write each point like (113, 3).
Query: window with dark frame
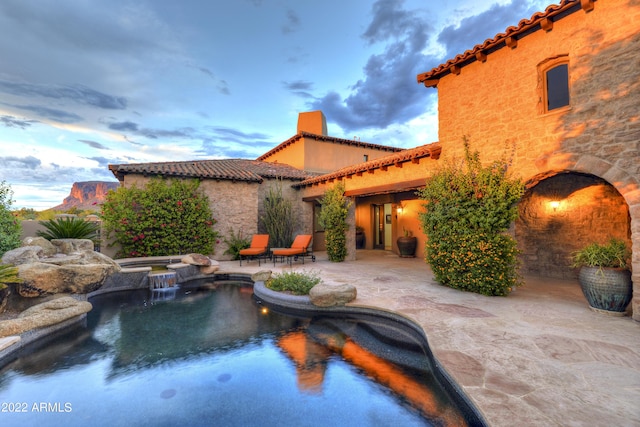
(557, 87)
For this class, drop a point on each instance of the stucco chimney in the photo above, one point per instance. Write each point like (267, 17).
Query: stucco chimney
(312, 122)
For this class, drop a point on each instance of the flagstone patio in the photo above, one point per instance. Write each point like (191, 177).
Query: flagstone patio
(539, 357)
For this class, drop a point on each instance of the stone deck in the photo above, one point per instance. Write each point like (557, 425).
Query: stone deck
(539, 357)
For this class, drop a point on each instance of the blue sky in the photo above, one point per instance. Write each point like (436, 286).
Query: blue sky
(87, 83)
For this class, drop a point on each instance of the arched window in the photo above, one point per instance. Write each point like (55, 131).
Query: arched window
(554, 74)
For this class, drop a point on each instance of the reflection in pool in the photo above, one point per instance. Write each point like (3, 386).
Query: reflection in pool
(217, 357)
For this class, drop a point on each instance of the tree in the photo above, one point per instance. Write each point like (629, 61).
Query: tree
(468, 209)
(333, 218)
(163, 218)
(10, 227)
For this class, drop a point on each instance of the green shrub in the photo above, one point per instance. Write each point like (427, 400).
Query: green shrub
(10, 227)
(68, 228)
(333, 218)
(235, 243)
(163, 218)
(277, 219)
(294, 282)
(468, 208)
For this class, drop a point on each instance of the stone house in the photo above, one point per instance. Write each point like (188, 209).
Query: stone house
(561, 89)
(237, 188)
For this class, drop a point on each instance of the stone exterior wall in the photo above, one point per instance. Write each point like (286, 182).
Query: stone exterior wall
(588, 209)
(498, 103)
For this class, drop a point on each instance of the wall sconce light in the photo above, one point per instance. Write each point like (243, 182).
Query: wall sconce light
(555, 205)
(399, 210)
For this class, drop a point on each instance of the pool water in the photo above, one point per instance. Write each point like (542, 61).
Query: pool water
(211, 355)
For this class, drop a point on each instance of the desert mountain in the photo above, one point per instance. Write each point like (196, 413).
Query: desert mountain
(87, 195)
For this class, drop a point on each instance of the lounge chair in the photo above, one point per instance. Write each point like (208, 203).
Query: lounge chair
(298, 249)
(259, 247)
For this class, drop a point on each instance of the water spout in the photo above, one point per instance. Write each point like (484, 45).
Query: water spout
(163, 285)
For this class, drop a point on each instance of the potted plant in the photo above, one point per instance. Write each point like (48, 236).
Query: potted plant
(407, 244)
(604, 277)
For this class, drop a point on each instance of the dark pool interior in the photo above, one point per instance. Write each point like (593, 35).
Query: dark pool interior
(211, 354)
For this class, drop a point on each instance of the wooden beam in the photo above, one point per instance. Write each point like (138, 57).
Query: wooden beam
(431, 82)
(481, 56)
(454, 69)
(383, 168)
(511, 42)
(398, 165)
(587, 5)
(546, 24)
(415, 161)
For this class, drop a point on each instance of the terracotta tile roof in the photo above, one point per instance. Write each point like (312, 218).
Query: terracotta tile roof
(225, 169)
(539, 20)
(304, 134)
(410, 155)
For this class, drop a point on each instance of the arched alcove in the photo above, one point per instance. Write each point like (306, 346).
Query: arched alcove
(562, 212)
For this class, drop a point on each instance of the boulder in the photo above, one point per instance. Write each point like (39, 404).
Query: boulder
(324, 295)
(45, 314)
(40, 278)
(209, 269)
(72, 246)
(196, 259)
(261, 276)
(22, 255)
(48, 248)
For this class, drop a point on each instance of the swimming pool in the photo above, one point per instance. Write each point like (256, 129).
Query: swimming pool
(212, 355)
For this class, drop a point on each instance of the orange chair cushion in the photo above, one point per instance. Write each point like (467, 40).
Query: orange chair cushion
(259, 245)
(299, 246)
(252, 251)
(289, 251)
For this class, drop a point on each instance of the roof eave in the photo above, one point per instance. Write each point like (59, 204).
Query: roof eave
(539, 20)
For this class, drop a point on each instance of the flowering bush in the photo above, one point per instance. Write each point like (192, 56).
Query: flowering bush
(164, 218)
(468, 208)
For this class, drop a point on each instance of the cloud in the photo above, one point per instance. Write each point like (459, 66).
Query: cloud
(103, 162)
(228, 142)
(293, 22)
(480, 27)
(237, 135)
(388, 93)
(124, 126)
(299, 88)
(11, 121)
(50, 113)
(77, 93)
(93, 144)
(297, 85)
(28, 162)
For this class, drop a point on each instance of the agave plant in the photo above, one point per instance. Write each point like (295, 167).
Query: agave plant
(68, 228)
(8, 274)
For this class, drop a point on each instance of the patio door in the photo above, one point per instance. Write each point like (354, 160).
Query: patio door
(382, 226)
